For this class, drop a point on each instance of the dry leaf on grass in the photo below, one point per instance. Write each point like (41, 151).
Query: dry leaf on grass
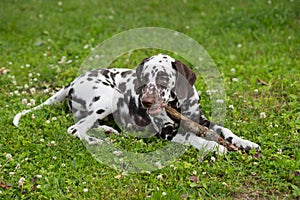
(3, 71)
(260, 81)
(5, 185)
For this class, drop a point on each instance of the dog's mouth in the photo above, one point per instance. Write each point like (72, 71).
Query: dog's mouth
(154, 109)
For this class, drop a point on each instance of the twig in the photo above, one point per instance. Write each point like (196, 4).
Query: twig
(200, 130)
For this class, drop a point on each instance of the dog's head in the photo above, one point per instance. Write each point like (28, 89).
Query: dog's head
(162, 79)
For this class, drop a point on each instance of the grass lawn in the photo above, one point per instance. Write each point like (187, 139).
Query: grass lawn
(255, 45)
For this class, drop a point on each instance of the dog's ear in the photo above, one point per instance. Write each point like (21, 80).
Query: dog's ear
(184, 81)
(140, 68)
(185, 71)
(138, 84)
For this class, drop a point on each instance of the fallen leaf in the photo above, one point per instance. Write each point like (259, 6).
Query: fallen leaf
(184, 196)
(262, 82)
(34, 179)
(194, 179)
(3, 71)
(118, 176)
(5, 185)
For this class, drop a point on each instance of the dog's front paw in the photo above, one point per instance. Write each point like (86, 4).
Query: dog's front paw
(237, 141)
(247, 145)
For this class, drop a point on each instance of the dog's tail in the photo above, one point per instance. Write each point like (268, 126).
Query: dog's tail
(57, 97)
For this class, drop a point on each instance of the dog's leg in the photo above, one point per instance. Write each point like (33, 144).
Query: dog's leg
(84, 125)
(229, 136)
(234, 139)
(199, 143)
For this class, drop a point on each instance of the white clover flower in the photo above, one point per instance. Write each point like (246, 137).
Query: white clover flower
(38, 186)
(85, 190)
(232, 70)
(220, 101)
(47, 122)
(203, 173)
(239, 45)
(21, 181)
(53, 143)
(54, 119)
(59, 3)
(32, 116)
(30, 74)
(256, 91)
(159, 165)
(86, 46)
(63, 165)
(279, 151)
(39, 176)
(28, 105)
(160, 177)
(46, 90)
(235, 79)
(163, 193)
(32, 90)
(62, 60)
(42, 140)
(32, 101)
(231, 107)
(27, 65)
(17, 166)
(24, 101)
(54, 157)
(263, 115)
(8, 156)
(11, 173)
(213, 159)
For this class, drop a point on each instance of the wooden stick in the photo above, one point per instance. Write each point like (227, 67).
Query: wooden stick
(200, 130)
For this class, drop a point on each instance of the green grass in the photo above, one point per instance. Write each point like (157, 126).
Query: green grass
(259, 39)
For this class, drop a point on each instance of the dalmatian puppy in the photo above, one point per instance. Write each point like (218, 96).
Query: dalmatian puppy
(136, 100)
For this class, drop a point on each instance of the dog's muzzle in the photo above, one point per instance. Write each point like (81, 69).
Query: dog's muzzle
(151, 100)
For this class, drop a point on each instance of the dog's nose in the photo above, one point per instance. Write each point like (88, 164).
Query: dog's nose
(148, 102)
